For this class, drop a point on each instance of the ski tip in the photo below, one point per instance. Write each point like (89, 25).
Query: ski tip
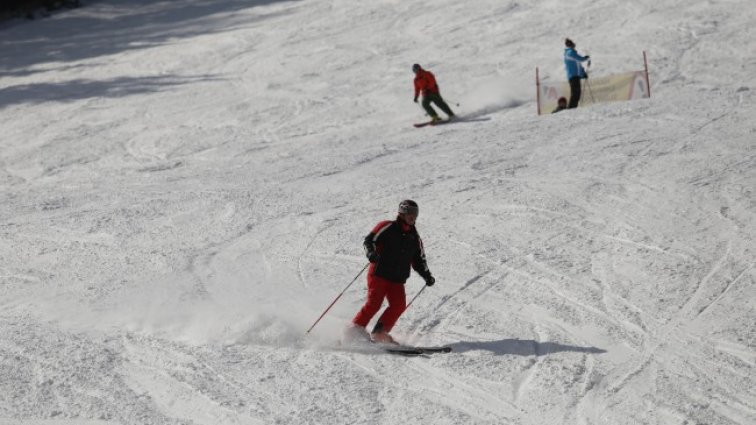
(431, 350)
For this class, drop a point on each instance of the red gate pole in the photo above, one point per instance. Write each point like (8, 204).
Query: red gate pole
(645, 65)
(538, 92)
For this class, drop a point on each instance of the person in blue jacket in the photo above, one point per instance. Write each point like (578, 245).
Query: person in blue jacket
(575, 71)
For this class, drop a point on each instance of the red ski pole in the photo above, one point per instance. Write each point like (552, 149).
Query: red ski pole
(337, 298)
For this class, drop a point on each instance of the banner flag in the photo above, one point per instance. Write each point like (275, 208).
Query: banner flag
(612, 88)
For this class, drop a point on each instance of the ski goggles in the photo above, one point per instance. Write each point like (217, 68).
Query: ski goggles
(409, 209)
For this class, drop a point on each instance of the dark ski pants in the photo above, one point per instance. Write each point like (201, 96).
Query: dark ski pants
(439, 101)
(378, 289)
(574, 92)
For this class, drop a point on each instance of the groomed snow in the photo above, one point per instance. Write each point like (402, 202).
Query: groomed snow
(185, 187)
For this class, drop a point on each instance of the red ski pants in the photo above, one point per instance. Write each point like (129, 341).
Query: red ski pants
(378, 289)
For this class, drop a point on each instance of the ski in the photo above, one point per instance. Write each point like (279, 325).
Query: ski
(429, 350)
(434, 123)
(413, 350)
(403, 351)
(456, 119)
(398, 349)
(432, 350)
(376, 348)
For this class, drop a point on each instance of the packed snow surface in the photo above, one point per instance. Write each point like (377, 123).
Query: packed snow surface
(185, 187)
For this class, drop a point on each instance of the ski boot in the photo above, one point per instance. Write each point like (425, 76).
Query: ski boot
(383, 338)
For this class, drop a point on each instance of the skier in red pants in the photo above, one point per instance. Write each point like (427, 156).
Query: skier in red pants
(392, 247)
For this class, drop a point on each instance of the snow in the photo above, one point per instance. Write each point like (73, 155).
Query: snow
(186, 185)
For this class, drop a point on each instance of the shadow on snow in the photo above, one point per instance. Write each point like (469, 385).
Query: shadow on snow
(119, 26)
(519, 347)
(84, 89)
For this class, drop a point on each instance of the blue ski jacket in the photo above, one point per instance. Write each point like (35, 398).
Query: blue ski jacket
(572, 64)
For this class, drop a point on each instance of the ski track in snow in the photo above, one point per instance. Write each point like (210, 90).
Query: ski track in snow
(186, 187)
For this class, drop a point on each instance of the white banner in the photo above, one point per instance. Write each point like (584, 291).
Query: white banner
(612, 88)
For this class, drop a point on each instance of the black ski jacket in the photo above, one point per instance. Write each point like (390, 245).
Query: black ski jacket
(398, 250)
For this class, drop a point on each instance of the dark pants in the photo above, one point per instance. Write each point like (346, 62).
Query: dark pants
(439, 101)
(574, 92)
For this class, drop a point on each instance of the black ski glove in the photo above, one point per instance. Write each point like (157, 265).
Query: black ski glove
(430, 280)
(415, 100)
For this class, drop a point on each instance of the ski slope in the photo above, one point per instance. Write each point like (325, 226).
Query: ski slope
(185, 187)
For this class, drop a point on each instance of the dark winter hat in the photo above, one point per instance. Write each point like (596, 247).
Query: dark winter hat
(416, 67)
(409, 207)
(569, 43)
